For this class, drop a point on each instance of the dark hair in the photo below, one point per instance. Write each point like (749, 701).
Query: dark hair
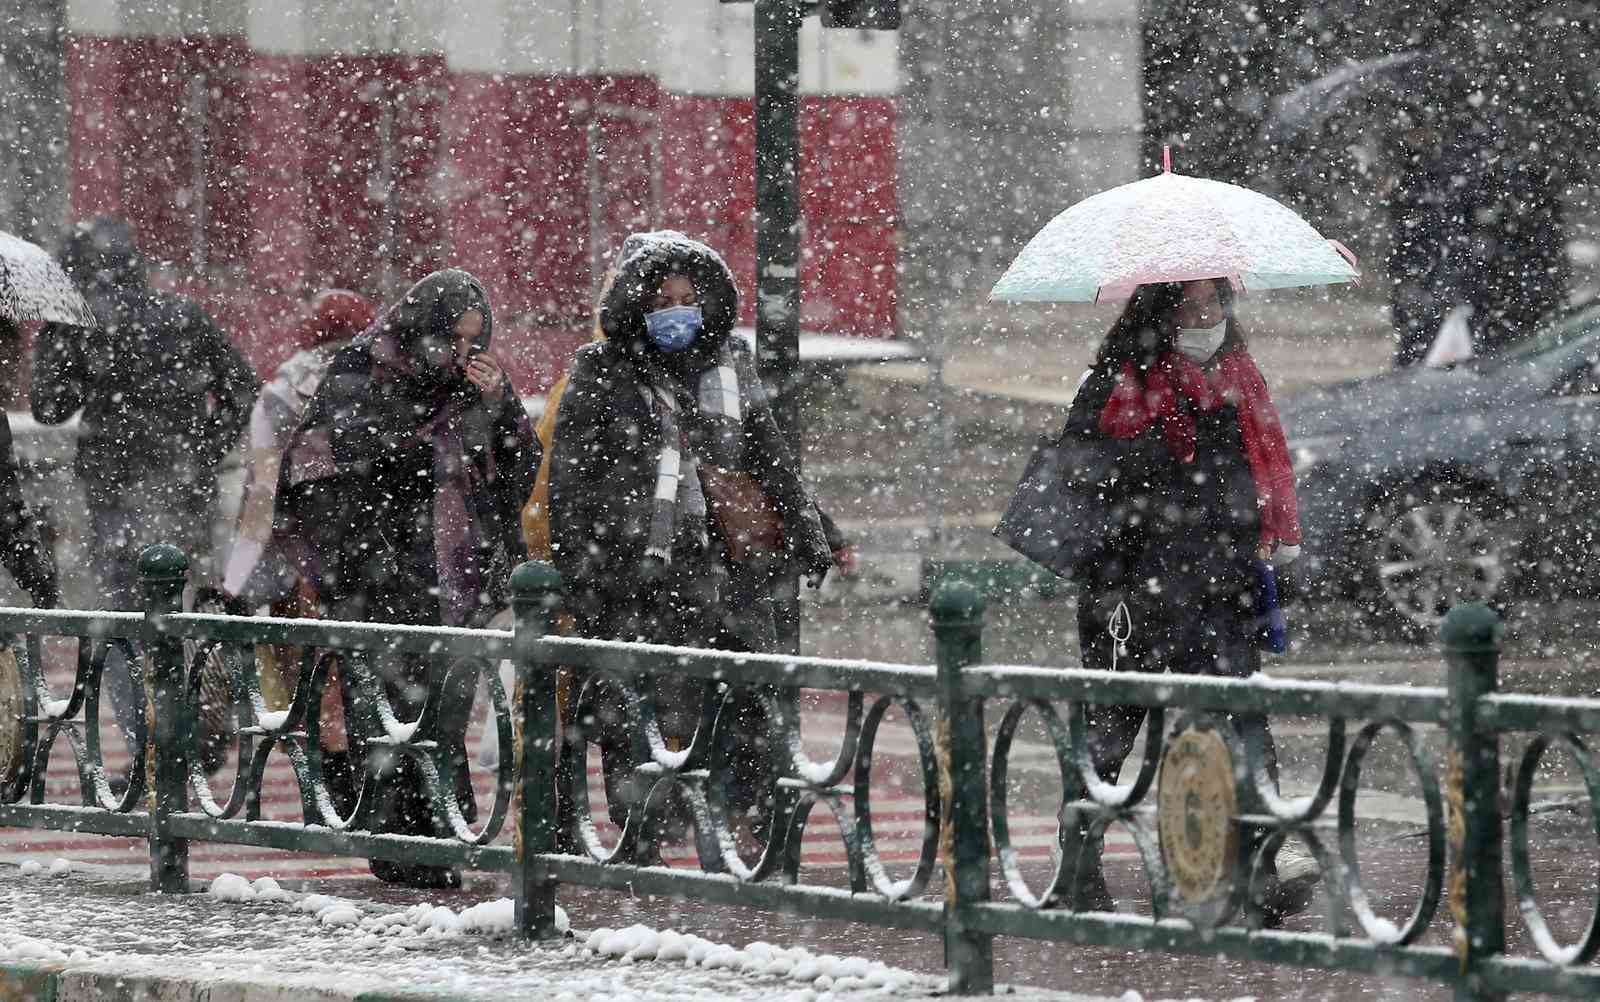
(1146, 328)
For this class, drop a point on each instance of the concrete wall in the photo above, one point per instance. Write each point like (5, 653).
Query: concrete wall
(1010, 110)
(32, 118)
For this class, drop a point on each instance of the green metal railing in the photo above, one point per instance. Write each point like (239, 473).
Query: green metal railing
(965, 770)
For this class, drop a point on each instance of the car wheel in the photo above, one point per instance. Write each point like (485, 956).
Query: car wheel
(1436, 547)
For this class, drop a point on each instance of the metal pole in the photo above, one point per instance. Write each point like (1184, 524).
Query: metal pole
(778, 243)
(956, 609)
(535, 596)
(1471, 640)
(163, 572)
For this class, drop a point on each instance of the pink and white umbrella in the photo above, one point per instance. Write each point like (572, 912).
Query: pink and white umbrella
(1171, 228)
(33, 287)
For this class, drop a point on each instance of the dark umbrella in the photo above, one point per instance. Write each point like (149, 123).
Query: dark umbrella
(1417, 78)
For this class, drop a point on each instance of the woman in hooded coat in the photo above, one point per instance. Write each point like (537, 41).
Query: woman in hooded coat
(1203, 490)
(400, 492)
(657, 420)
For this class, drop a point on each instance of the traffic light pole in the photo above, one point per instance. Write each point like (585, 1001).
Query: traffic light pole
(777, 31)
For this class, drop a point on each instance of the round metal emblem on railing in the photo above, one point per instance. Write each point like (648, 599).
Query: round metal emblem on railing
(1197, 815)
(13, 756)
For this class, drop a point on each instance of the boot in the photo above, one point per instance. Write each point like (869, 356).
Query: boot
(343, 782)
(409, 812)
(432, 878)
(1091, 893)
(1290, 887)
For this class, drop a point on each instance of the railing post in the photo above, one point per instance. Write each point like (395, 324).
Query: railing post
(1471, 640)
(163, 571)
(957, 612)
(535, 598)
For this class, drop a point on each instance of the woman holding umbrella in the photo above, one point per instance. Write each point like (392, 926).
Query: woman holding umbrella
(1174, 483)
(1177, 402)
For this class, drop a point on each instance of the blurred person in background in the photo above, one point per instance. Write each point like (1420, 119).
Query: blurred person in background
(257, 576)
(164, 397)
(24, 537)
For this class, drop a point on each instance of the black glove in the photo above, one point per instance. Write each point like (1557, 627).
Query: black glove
(46, 596)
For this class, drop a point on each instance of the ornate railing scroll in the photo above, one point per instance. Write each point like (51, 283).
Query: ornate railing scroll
(1551, 726)
(42, 717)
(1205, 891)
(702, 772)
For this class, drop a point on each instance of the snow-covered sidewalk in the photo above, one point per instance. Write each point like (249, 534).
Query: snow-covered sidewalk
(74, 936)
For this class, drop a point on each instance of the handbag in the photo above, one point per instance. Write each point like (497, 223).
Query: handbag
(1061, 515)
(751, 527)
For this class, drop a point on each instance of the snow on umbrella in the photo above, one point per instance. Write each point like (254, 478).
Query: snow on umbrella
(34, 288)
(1171, 228)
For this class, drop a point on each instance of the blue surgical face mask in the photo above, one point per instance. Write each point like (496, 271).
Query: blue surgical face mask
(674, 328)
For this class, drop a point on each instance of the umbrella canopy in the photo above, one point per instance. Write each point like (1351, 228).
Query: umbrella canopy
(1417, 78)
(1171, 228)
(34, 288)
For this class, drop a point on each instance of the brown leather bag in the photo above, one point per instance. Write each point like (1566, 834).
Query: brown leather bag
(750, 525)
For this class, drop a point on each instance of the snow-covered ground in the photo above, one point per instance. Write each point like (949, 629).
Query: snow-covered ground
(316, 946)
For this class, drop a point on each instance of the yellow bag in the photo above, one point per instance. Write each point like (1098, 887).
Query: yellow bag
(536, 513)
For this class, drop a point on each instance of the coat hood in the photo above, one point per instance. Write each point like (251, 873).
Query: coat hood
(652, 257)
(422, 324)
(103, 254)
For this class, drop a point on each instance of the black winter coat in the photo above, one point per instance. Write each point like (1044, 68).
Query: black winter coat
(369, 521)
(23, 548)
(603, 479)
(1182, 555)
(164, 394)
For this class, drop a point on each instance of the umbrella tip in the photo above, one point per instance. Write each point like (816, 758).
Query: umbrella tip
(1166, 160)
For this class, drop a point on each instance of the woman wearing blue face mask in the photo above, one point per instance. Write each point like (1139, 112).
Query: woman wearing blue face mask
(675, 504)
(1192, 463)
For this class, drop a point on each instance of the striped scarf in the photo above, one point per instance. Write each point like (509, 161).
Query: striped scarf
(707, 426)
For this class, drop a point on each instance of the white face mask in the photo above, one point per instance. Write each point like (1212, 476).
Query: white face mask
(1200, 343)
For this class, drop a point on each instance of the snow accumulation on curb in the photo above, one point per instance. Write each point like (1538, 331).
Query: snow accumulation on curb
(255, 941)
(490, 918)
(639, 943)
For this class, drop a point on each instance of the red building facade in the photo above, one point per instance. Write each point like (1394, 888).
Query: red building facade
(265, 153)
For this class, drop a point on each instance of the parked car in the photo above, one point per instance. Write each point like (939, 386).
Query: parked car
(1424, 488)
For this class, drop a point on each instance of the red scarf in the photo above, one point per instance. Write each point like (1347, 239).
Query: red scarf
(1139, 403)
